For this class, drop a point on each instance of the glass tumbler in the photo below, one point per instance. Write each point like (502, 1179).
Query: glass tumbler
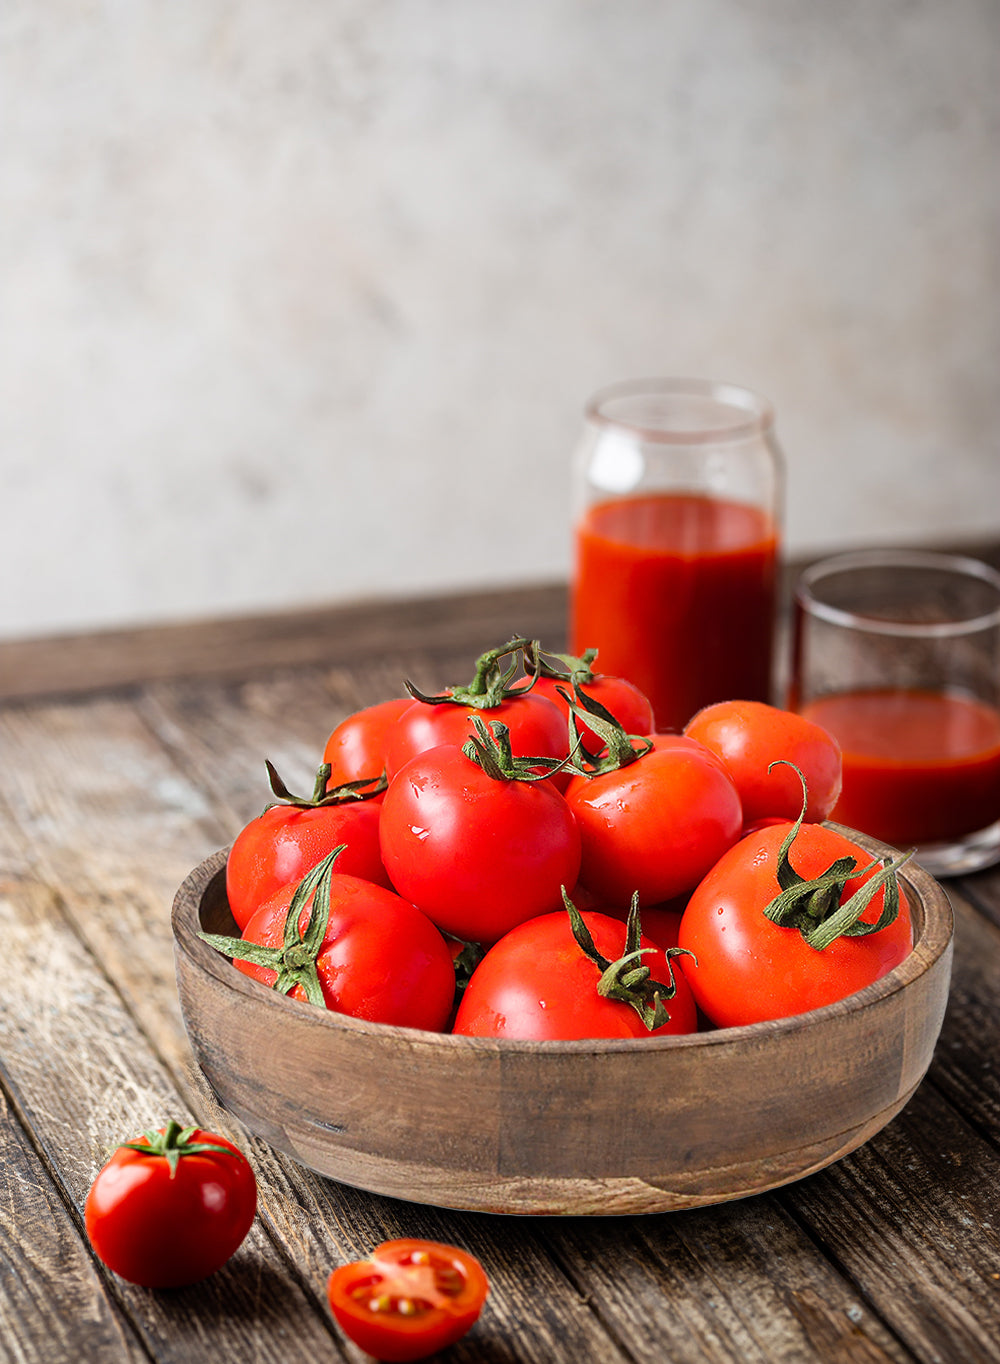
(676, 509)
(897, 654)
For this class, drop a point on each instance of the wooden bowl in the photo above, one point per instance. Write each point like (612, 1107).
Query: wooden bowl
(583, 1127)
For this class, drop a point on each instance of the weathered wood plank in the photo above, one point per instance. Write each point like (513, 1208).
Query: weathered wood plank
(53, 1304)
(245, 646)
(966, 1065)
(83, 1077)
(913, 1218)
(108, 806)
(305, 1214)
(982, 891)
(738, 1281)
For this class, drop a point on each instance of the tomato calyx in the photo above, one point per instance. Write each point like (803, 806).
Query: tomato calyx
(814, 906)
(620, 748)
(361, 789)
(490, 749)
(172, 1143)
(628, 980)
(572, 669)
(492, 683)
(465, 957)
(295, 960)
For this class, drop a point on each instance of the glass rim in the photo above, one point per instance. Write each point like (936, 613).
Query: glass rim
(959, 565)
(756, 413)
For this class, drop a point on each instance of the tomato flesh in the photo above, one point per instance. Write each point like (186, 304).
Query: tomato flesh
(409, 1299)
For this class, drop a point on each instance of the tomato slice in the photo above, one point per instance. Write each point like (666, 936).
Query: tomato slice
(409, 1299)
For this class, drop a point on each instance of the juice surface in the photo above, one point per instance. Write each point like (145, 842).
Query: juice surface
(919, 766)
(677, 594)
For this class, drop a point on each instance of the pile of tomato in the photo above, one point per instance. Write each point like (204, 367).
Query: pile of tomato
(526, 856)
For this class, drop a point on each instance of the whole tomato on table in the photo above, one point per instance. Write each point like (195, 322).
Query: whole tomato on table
(171, 1207)
(475, 839)
(294, 833)
(409, 1299)
(498, 692)
(793, 917)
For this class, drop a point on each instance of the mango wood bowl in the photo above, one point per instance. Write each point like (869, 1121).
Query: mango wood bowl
(584, 1127)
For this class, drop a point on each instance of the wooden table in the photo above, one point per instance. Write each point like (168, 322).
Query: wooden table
(126, 759)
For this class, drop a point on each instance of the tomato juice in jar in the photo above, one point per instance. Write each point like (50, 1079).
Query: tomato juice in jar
(677, 541)
(677, 592)
(897, 655)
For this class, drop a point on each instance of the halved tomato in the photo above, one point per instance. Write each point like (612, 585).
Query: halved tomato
(409, 1299)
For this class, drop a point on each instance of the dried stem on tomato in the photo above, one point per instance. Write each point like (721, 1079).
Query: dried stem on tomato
(814, 907)
(620, 748)
(490, 749)
(570, 668)
(493, 681)
(628, 980)
(349, 791)
(295, 960)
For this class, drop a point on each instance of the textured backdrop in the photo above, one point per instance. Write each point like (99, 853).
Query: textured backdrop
(300, 303)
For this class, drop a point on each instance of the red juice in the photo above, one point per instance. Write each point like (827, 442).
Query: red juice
(920, 767)
(677, 592)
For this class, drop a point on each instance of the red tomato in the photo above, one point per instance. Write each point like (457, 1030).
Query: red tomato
(538, 983)
(356, 747)
(629, 706)
(379, 957)
(409, 1299)
(478, 854)
(750, 736)
(171, 1207)
(538, 728)
(278, 847)
(750, 969)
(656, 825)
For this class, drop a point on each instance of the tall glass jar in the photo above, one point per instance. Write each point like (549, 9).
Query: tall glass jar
(677, 530)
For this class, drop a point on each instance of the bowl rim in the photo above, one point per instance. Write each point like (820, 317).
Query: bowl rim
(934, 938)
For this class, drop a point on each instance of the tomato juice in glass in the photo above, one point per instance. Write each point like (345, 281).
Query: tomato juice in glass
(676, 591)
(920, 767)
(676, 531)
(897, 654)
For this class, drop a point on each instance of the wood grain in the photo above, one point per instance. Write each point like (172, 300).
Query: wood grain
(106, 801)
(54, 1303)
(245, 646)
